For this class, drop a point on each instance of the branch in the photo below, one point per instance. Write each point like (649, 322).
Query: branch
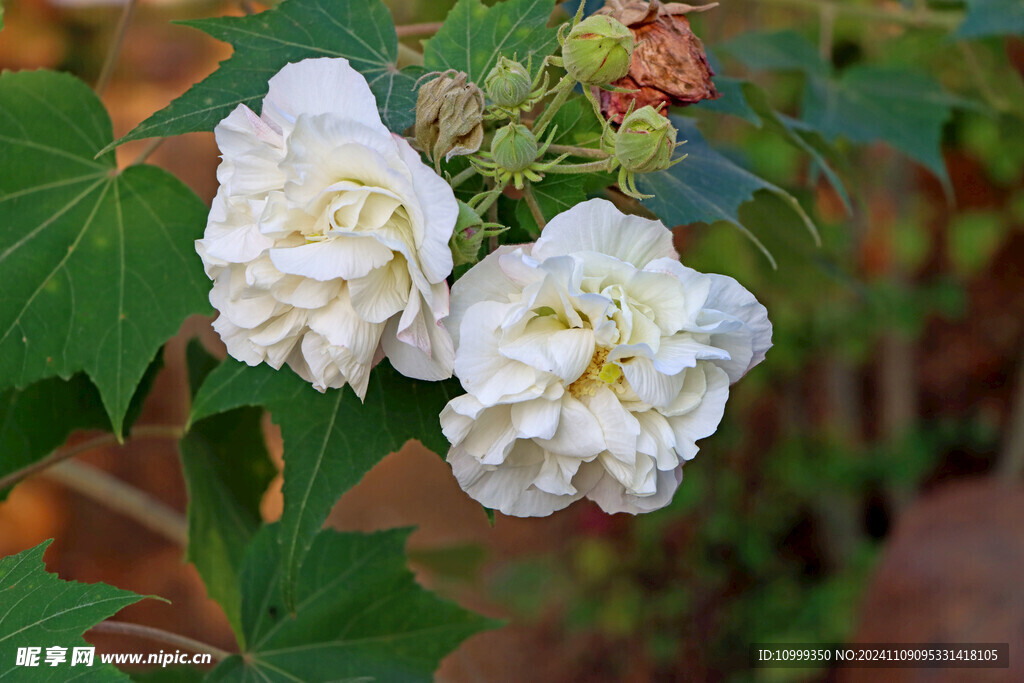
(156, 431)
(147, 150)
(124, 498)
(159, 635)
(115, 47)
(426, 29)
(1010, 465)
(895, 15)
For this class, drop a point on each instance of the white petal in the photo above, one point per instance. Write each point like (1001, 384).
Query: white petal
(509, 488)
(320, 86)
(619, 427)
(457, 417)
(683, 351)
(483, 371)
(340, 326)
(305, 293)
(597, 225)
(536, 418)
(236, 339)
(556, 474)
(412, 361)
(546, 345)
(696, 285)
(748, 345)
(346, 257)
(280, 328)
(579, 433)
(483, 282)
(251, 153)
(657, 439)
(243, 307)
(703, 420)
(664, 295)
(491, 437)
(651, 386)
(239, 245)
(382, 292)
(612, 496)
(439, 210)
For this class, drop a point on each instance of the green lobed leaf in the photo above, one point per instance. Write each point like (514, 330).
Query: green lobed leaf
(554, 194)
(39, 418)
(359, 30)
(360, 615)
(330, 440)
(97, 267)
(905, 108)
(474, 36)
(37, 609)
(227, 470)
(776, 50)
(706, 186)
(992, 18)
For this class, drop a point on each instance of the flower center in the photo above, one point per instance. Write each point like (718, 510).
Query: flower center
(600, 373)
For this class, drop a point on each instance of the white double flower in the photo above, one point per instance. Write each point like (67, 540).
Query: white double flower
(593, 362)
(328, 239)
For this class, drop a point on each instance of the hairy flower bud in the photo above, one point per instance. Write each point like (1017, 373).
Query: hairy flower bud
(645, 141)
(597, 50)
(514, 148)
(509, 83)
(449, 116)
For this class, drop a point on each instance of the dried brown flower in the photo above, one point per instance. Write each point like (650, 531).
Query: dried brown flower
(669, 65)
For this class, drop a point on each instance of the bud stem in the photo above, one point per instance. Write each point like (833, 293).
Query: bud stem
(462, 176)
(589, 167)
(531, 202)
(562, 92)
(487, 202)
(572, 150)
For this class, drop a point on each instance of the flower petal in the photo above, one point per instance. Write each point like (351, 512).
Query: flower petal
(345, 257)
(598, 226)
(320, 86)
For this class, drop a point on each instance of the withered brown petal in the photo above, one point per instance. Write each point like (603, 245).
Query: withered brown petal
(669, 65)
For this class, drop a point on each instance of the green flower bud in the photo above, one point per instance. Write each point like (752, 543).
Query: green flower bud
(449, 116)
(597, 50)
(508, 84)
(469, 235)
(514, 148)
(645, 141)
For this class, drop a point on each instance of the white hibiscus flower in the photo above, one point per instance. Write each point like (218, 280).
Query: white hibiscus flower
(328, 239)
(593, 362)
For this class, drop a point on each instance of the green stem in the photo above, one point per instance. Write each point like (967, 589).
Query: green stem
(587, 152)
(981, 78)
(589, 167)
(531, 202)
(914, 17)
(115, 47)
(488, 201)
(562, 92)
(161, 636)
(463, 176)
(121, 497)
